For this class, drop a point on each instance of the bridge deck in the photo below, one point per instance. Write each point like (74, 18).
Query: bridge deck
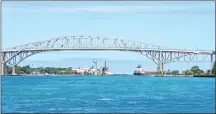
(114, 49)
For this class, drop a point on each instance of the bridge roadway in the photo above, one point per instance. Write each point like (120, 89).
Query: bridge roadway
(114, 49)
(160, 56)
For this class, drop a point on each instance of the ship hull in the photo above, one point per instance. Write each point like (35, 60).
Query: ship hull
(139, 74)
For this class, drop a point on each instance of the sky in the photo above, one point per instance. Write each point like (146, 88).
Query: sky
(178, 25)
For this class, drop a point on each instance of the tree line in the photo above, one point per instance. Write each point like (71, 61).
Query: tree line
(40, 70)
(195, 70)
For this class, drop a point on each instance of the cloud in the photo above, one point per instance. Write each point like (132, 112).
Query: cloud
(102, 9)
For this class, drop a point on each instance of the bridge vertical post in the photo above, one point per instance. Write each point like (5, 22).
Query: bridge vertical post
(212, 63)
(5, 70)
(160, 64)
(2, 69)
(158, 68)
(13, 70)
(162, 68)
(1, 65)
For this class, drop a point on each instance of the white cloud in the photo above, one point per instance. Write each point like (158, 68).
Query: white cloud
(102, 9)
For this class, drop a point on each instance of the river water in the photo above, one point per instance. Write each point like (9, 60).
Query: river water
(107, 94)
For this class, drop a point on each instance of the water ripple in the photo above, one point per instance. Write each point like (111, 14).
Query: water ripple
(108, 94)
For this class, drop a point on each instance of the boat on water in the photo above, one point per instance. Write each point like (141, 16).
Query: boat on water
(141, 71)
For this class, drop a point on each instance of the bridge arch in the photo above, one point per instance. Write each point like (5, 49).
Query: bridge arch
(24, 55)
(157, 54)
(17, 54)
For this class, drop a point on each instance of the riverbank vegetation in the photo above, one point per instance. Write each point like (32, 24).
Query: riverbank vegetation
(195, 70)
(40, 70)
(56, 71)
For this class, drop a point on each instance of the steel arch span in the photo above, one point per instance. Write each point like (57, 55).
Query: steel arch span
(159, 55)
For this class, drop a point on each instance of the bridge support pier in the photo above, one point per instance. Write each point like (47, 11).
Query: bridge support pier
(13, 70)
(1, 65)
(2, 69)
(212, 63)
(161, 68)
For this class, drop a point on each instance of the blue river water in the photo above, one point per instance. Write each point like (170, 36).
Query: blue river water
(107, 94)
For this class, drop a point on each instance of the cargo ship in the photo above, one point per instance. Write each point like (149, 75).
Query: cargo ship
(139, 70)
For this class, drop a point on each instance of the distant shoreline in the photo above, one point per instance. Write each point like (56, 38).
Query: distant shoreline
(29, 75)
(63, 75)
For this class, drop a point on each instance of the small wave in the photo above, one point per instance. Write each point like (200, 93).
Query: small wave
(75, 109)
(57, 98)
(44, 88)
(97, 83)
(106, 99)
(51, 109)
(158, 97)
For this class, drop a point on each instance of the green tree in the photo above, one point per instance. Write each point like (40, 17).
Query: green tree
(183, 72)
(42, 70)
(189, 72)
(19, 70)
(195, 69)
(208, 72)
(168, 72)
(8, 69)
(200, 72)
(26, 69)
(159, 73)
(175, 72)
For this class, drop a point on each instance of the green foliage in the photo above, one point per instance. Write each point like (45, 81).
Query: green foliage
(28, 70)
(183, 72)
(159, 73)
(8, 69)
(175, 72)
(19, 70)
(197, 71)
(194, 68)
(200, 72)
(208, 72)
(189, 72)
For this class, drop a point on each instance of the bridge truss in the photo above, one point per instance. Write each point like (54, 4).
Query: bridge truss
(159, 55)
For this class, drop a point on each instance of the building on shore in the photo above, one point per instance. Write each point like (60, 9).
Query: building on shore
(105, 70)
(89, 71)
(80, 71)
(92, 71)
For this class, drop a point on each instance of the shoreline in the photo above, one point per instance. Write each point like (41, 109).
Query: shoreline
(203, 76)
